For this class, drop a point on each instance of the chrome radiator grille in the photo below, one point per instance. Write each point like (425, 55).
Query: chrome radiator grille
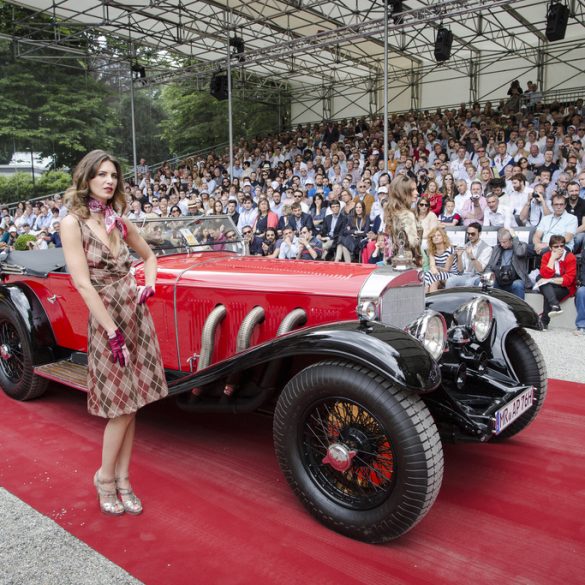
(400, 306)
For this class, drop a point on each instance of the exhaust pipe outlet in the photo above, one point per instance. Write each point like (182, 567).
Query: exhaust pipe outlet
(253, 318)
(208, 339)
(294, 319)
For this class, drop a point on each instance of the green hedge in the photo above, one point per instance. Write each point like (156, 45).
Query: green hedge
(19, 186)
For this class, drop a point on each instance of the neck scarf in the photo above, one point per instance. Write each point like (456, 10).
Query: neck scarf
(111, 218)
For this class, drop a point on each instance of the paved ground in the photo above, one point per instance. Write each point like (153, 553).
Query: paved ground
(34, 550)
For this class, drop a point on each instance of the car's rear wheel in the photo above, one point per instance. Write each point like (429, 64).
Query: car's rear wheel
(527, 362)
(16, 366)
(364, 457)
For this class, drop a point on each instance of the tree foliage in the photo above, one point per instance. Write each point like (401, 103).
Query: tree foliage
(197, 120)
(20, 186)
(55, 111)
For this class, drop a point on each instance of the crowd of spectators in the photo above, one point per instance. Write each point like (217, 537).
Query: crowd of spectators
(319, 191)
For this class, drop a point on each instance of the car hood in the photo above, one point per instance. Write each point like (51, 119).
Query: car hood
(253, 273)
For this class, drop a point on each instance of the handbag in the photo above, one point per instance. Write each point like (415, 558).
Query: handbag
(505, 275)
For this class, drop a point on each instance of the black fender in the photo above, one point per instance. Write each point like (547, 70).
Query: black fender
(25, 304)
(510, 312)
(387, 351)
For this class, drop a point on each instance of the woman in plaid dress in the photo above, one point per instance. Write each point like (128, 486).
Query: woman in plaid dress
(124, 367)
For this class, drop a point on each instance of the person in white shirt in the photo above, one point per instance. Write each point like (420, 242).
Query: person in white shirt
(463, 195)
(471, 259)
(496, 214)
(248, 213)
(516, 197)
(535, 208)
(535, 158)
(501, 160)
(458, 165)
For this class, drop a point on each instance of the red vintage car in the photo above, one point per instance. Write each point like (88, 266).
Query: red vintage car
(363, 374)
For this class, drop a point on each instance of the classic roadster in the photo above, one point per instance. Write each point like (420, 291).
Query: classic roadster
(364, 376)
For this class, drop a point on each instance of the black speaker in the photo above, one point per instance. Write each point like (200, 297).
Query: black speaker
(557, 18)
(443, 44)
(218, 87)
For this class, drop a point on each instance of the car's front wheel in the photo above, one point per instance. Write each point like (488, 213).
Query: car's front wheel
(16, 365)
(528, 364)
(364, 457)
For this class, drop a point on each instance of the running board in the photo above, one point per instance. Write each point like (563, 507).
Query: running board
(64, 372)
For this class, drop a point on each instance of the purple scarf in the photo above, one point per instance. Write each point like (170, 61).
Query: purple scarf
(111, 218)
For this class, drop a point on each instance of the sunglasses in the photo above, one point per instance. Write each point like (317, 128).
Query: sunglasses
(558, 246)
(247, 232)
(471, 233)
(423, 205)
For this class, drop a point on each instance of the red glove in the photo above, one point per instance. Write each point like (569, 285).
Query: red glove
(118, 347)
(144, 293)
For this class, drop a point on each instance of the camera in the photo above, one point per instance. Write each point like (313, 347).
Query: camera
(535, 196)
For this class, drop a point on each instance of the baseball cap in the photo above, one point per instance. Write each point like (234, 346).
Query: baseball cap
(12, 230)
(382, 189)
(309, 182)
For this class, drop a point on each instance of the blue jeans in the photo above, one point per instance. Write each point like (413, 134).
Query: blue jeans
(516, 288)
(580, 304)
(462, 280)
(578, 241)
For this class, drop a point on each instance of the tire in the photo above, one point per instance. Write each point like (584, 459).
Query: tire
(16, 365)
(396, 468)
(527, 363)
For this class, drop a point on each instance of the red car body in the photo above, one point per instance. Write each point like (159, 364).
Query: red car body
(362, 379)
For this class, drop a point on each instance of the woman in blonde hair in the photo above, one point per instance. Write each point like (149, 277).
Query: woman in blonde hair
(124, 367)
(441, 259)
(403, 230)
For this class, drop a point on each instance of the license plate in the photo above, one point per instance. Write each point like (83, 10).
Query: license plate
(508, 414)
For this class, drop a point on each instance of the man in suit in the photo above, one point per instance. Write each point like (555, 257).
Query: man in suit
(333, 225)
(298, 219)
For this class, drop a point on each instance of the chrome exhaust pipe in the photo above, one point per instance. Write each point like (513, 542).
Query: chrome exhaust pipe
(253, 318)
(208, 339)
(294, 319)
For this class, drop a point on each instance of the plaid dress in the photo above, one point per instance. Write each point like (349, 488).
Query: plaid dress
(114, 390)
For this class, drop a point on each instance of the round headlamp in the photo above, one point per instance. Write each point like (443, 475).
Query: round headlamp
(431, 330)
(477, 315)
(367, 310)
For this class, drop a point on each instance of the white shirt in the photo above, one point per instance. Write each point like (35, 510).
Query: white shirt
(502, 217)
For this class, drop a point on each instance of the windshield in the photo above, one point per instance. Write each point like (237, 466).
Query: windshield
(212, 233)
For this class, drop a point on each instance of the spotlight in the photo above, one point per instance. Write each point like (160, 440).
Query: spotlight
(395, 8)
(557, 17)
(239, 48)
(218, 86)
(443, 44)
(138, 71)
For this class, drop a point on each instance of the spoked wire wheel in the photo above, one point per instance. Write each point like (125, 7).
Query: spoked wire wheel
(11, 355)
(362, 455)
(347, 452)
(17, 377)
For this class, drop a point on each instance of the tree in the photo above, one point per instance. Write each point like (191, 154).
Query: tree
(57, 112)
(197, 120)
(150, 118)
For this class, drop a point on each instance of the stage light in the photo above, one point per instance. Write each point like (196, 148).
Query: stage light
(443, 44)
(239, 48)
(557, 17)
(218, 87)
(138, 71)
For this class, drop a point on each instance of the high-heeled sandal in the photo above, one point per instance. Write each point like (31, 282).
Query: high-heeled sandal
(130, 501)
(108, 499)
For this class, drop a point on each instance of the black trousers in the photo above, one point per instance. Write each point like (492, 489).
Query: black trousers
(552, 293)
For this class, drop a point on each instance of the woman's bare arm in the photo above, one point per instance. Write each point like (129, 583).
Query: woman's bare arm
(79, 270)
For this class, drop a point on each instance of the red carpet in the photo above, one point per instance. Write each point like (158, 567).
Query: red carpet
(218, 510)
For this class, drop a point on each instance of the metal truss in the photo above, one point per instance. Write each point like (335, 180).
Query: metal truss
(298, 46)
